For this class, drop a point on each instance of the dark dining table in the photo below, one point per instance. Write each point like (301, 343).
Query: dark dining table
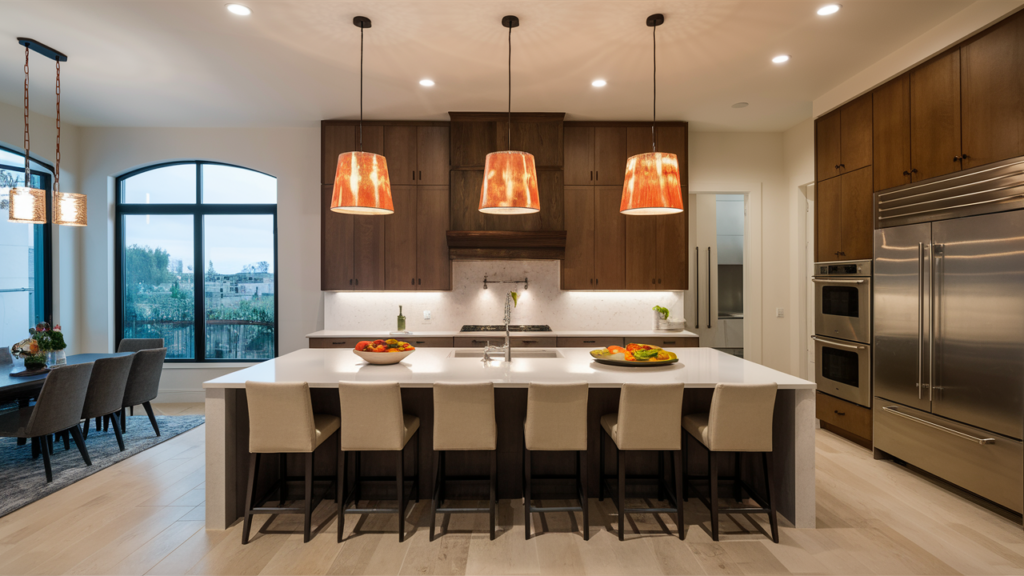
(23, 387)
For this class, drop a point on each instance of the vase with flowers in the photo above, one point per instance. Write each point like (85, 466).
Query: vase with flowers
(44, 346)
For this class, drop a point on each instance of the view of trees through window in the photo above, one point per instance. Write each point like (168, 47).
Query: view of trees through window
(227, 225)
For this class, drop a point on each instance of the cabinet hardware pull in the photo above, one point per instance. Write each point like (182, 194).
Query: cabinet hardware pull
(349, 281)
(840, 413)
(421, 174)
(833, 343)
(895, 412)
(956, 158)
(652, 281)
(906, 173)
(598, 173)
(837, 166)
(597, 281)
(668, 341)
(964, 157)
(591, 281)
(413, 281)
(843, 166)
(710, 293)
(338, 343)
(591, 175)
(421, 341)
(529, 341)
(419, 282)
(480, 341)
(913, 170)
(590, 341)
(357, 281)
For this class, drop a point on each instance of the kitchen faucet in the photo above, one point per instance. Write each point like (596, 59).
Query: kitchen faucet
(507, 348)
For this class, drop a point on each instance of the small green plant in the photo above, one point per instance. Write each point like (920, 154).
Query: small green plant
(663, 311)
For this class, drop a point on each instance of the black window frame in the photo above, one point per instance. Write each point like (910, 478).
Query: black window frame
(47, 232)
(197, 210)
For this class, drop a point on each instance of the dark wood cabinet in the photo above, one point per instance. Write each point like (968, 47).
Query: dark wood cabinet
(609, 239)
(433, 268)
(843, 217)
(826, 146)
(843, 139)
(400, 152)
(579, 156)
(336, 232)
(935, 117)
(992, 93)
(891, 134)
(578, 266)
(595, 239)
(432, 166)
(609, 155)
(828, 207)
(368, 247)
(400, 234)
(673, 252)
(642, 265)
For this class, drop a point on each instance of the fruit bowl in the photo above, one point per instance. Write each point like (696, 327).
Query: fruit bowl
(383, 358)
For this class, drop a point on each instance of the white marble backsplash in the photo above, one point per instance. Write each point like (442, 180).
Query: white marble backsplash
(469, 303)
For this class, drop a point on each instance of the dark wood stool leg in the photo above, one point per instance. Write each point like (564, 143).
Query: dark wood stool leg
(527, 485)
(357, 492)
(400, 484)
(444, 478)
(308, 505)
(342, 493)
(282, 473)
(713, 484)
(46, 458)
(76, 433)
(585, 504)
(600, 467)
(416, 467)
(769, 473)
(494, 487)
(254, 464)
(677, 461)
(119, 437)
(152, 417)
(620, 466)
(661, 474)
(737, 487)
(436, 493)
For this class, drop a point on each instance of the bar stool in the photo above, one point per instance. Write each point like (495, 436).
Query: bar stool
(463, 421)
(648, 419)
(372, 421)
(556, 421)
(740, 420)
(281, 421)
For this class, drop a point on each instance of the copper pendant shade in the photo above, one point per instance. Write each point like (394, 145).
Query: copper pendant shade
(361, 183)
(27, 205)
(510, 177)
(652, 185)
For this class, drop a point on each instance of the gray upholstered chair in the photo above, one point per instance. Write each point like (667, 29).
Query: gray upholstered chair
(463, 421)
(648, 419)
(144, 383)
(372, 420)
(740, 420)
(5, 356)
(58, 408)
(106, 392)
(137, 344)
(281, 421)
(556, 421)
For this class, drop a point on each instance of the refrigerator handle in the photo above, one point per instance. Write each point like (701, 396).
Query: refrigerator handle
(933, 252)
(709, 286)
(920, 314)
(696, 268)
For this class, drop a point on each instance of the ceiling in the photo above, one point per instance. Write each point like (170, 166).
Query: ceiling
(290, 63)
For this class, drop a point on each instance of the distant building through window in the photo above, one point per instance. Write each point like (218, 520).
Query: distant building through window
(189, 224)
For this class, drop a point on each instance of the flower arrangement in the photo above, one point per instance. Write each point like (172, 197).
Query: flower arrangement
(42, 340)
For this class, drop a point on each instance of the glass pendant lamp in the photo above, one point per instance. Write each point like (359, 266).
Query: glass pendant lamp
(361, 183)
(510, 177)
(26, 204)
(652, 185)
(69, 209)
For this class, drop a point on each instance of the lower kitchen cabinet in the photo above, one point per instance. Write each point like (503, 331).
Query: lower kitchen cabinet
(499, 340)
(428, 342)
(846, 419)
(589, 342)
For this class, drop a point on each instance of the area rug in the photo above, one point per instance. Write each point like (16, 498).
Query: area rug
(23, 480)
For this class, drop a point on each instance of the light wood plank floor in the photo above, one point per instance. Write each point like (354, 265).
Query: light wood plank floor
(145, 516)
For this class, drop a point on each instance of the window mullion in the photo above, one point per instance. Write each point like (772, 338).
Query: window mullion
(199, 273)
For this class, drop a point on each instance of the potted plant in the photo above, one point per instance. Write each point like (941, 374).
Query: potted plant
(51, 343)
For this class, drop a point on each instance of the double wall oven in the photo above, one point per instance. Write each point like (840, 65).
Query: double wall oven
(842, 329)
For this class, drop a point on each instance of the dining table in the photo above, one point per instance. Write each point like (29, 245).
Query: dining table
(22, 388)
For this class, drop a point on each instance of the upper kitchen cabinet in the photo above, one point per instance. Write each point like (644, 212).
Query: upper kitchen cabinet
(417, 258)
(417, 155)
(340, 136)
(891, 134)
(843, 139)
(992, 93)
(579, 155)
(595, 244)
(843, 217)
(595, 155)
(474, 135)
(336, 233)
(935, 117)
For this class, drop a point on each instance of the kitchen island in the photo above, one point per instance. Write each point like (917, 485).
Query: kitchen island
(700, 369)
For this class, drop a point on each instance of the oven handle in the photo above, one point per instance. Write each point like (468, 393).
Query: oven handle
(892, 410)
(834, 343)
(838, 281)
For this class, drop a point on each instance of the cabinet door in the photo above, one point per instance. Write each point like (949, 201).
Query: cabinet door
(858, 222)
(578, 266)
(400, 152)
(673, 251)
(992, 88)
(827, 142)
(400, 240)
(432, 166)
(335, 245)
(855, 134)
(891, 134)
(579, 156)
(638, 141)
(433, 268)
(609, 239)
(829, 219)
(641, 262)
(334, 140)
(935, 117)
(609, 156)
(674, 139)
(368, 238)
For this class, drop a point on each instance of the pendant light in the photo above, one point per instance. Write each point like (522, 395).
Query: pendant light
(27, 204)
(69, 209)
(510, 177)
(652, 185)
(361, 184)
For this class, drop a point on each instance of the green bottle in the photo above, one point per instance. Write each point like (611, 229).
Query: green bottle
(401, 320)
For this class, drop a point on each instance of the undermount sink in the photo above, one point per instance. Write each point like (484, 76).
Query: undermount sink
(516, 353)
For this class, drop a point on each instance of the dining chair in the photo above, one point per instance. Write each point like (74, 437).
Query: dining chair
(106, 391)
(58, 408)
(144, 384)
(137, 344)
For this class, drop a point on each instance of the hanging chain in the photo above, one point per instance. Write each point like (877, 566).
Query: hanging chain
(56, 172)
(360, 86)
(654, 107)
(510, 88)
(27, 169)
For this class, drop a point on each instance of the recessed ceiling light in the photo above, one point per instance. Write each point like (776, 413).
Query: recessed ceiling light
(828, 9)
(781, 59)
(239, 9)
(426, 82)
(599, 83)
(740, 105)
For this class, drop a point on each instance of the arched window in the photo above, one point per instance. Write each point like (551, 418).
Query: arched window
(186, 224)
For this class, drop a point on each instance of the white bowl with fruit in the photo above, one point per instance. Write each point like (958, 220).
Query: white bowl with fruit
(384, 352)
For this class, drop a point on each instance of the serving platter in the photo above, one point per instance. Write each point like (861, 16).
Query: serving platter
(634, 364)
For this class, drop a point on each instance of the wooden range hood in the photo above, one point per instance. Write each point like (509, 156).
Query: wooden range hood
(506, 245)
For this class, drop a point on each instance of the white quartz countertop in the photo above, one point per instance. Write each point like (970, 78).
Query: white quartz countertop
(325, 367)
(552, 334)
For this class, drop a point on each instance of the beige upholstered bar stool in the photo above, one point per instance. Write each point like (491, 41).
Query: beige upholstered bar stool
(556, 421)
(372, 420)
(648, 419)
(281, 421)
(740, 420)
(463, 421)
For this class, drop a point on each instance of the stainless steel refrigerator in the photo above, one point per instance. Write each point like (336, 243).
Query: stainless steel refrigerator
(949, 329)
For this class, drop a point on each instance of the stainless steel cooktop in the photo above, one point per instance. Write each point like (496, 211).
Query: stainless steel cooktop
(501, 328)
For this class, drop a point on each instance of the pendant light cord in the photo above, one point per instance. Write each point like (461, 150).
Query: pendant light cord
(360, 86)
(27, 169)
(510, 88)
(56, 172)
(654, 106)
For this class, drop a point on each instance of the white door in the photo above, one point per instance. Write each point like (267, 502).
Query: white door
(701, 300)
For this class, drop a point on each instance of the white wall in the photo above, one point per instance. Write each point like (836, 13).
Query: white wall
(798, 158)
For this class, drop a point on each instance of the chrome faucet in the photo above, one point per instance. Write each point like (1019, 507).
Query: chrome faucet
(507, 348)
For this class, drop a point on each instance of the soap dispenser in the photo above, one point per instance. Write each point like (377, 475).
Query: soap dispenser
(401, 320)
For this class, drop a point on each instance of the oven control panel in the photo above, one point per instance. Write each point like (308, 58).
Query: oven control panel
(850, 268)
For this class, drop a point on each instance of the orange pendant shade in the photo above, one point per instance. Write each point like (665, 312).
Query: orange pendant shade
(510, 184)
(362, 185)
(652, 185)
